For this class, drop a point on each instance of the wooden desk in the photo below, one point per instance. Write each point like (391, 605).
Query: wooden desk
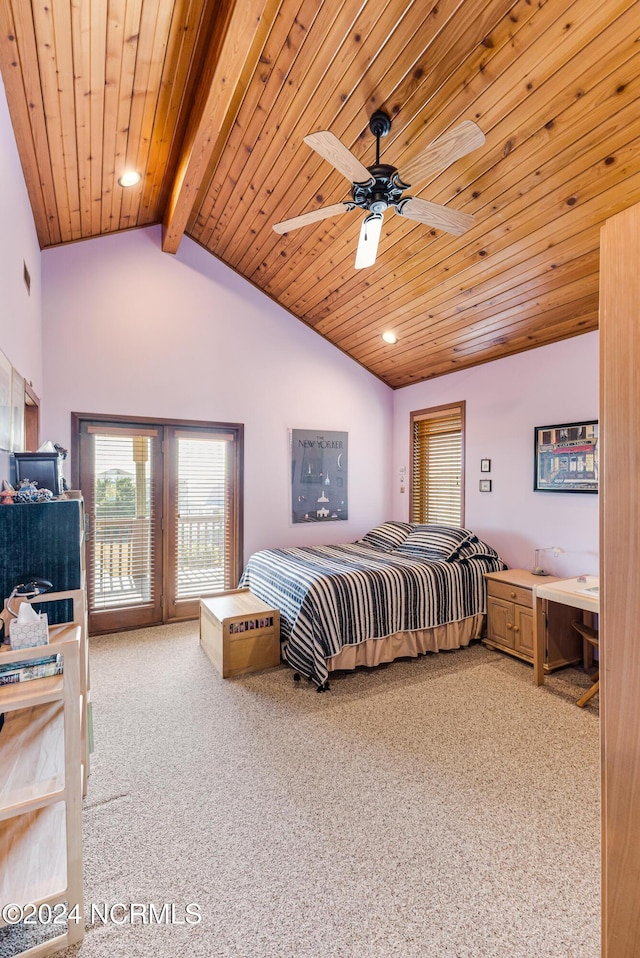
(578, 594)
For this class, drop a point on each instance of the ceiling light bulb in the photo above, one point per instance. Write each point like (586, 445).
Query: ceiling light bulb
(130, 178)
(368, 242)
(390, 338)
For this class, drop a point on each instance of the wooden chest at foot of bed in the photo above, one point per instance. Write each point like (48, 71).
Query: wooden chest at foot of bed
(239, 632)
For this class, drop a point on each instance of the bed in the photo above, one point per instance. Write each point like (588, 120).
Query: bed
(403, 589)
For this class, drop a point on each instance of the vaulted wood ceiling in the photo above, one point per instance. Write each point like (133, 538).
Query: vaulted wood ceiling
(211, 101)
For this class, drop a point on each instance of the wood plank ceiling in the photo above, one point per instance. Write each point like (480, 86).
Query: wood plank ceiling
(210, 101)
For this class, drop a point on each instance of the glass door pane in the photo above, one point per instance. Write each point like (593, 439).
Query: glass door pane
(202, 517)
(124, 545)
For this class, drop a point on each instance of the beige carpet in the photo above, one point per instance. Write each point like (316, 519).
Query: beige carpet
(436, 808)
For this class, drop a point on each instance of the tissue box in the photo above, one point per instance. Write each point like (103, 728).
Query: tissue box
(24, 635)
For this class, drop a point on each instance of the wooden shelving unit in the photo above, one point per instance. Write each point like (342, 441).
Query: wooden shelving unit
(28, 774)
(78, 598)
(41, 787)
(48, 539)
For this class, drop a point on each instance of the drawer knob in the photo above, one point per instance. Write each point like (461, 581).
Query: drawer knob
(509, 626)
(516, 628)
(512, 594)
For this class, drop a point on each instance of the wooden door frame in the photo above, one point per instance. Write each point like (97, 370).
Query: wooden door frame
(238, 474)
(619, 595)
(31, 418)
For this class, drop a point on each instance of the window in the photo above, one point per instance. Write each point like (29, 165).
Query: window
(437, 465)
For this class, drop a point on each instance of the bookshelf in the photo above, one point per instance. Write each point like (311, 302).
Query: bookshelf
(41, 786)
(77, 597)
(48, 540)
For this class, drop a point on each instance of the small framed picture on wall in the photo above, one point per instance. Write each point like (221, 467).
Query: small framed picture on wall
(485, 485)
(485, 465)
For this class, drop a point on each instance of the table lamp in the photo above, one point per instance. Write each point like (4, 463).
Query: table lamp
(537, 568)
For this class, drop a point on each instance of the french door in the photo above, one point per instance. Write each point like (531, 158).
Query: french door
(163, 506)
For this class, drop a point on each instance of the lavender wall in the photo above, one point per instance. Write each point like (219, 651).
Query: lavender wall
(20, 313)
(505, 400)
(131, 330)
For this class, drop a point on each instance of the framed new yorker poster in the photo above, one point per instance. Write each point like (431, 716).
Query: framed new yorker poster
(566, 457)
(319, 469)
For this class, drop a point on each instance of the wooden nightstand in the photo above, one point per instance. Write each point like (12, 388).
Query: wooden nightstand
(510, 610)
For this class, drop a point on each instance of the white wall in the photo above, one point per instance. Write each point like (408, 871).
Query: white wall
(505, 400)
(20, 313)
(130, 330)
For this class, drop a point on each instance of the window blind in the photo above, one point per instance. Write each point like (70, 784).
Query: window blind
(121, 547)
(437, 466)
(204, 517)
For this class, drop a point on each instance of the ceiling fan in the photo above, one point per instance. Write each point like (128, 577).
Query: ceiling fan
(376, 188)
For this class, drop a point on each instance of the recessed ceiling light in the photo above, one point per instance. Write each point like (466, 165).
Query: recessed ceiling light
(130, 178)
(390, 337)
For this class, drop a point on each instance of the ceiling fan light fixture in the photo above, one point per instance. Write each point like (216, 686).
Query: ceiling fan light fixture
(369, 239)
(390, 338)
(129, 178)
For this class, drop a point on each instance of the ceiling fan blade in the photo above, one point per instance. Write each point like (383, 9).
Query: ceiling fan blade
(369, 239)
(440, 154)
(311, 217)
(331, 149)
(441, 217)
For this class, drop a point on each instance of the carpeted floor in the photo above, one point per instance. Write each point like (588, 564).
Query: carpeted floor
(436, 808)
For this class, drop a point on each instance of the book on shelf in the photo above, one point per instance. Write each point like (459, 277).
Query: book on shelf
(14, 672)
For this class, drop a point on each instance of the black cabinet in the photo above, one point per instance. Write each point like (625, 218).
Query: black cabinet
(42, 540)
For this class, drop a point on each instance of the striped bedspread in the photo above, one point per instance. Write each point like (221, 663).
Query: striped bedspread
(332, 596)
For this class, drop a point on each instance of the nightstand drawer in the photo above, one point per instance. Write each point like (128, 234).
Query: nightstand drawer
(510, 593)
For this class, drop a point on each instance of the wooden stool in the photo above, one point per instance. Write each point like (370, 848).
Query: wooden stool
(591, 636)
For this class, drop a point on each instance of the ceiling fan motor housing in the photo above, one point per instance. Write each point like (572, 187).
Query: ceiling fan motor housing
(385, 191)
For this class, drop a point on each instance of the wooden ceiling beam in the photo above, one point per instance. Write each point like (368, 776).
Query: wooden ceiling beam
(242, 29)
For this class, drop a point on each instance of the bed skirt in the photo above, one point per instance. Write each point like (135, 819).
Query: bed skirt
(372, 652)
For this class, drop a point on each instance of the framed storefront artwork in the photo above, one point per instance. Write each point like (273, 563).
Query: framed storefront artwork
(566, 457)
(319, 470)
